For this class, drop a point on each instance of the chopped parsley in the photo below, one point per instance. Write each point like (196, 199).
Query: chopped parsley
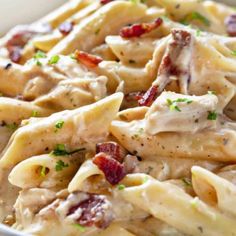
(211, 92)
(12, 126)
(173, 103)
(194, 202)
(60, 150)
(43, 171)
(81, 228)
(233, 52)
(72, 56)
(196, 16)
(35, 114)
(198, 32)
(121, 187)
(39, 54)
(54, 59)
(60, 165)
(212, 115)
(187, 182)
(145, 179)
(59, 124)
(97, 31)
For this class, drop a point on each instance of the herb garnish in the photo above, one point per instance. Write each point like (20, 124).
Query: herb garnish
(187, 182)
(211, 92)
(54, 59)
(12, 126)
(173, 103)
(60, 165)
(59, 124)
(35, 113)
(212, 115)
(43, 171)
(233, 52)
(80, 227)
(60, 150)
(195, 16)
(121, 187)
(39, 55)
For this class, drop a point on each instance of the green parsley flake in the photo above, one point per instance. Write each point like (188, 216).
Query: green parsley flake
(233, 52)
(97, 31)
(38, 63)
(198, 32)
(194, 202)
(54, 59)
(195, 16)
(121, 187)
(43, 171)
(212, 115)
(72, 56)
(187, 182)
(211, 92)
(12, 126)
(60, 150)
(39, 54)
(145, 179)
(173, 103)
(81, 228)
(59, 125)
(35, 114)
(60, 165)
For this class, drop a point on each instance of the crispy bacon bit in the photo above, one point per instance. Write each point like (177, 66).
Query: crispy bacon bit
(105, 1)
(134, 96)
(17, 42)
(181, 38)
(91, 209)
(137, 30)
(66, 27)
(149, 97)
(112, 149)
(176, 62)
(87, 59)
(230, 24)
(113, 170)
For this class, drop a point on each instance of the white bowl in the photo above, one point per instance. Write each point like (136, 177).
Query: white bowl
(14, 12)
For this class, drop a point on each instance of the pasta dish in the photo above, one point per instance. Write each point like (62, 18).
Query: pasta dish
(118, 117)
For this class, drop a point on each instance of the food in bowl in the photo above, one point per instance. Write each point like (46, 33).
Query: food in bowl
(118, 118)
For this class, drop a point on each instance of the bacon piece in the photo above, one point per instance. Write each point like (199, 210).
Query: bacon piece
(87, 59)
(230, 24)
(134, 96)
(22, 36)
(137, 30)
(113, 170)
(149, 97)
(112, 149)
(105, 1)
(90, 209)
(17, 42)
(66, 27)
(175, 64)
